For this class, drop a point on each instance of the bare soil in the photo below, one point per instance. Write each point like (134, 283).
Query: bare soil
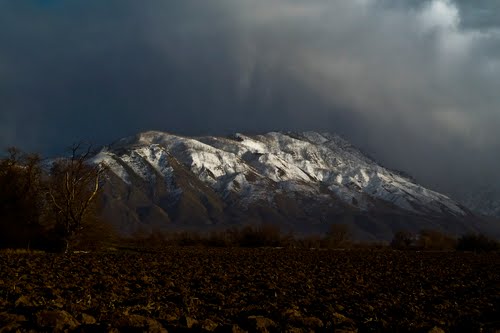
(183, 289)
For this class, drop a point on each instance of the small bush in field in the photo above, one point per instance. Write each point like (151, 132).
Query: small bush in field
(263, 235)
(270, 234)
(403, 240)
(338, 235)
(218, 239)
(477, 242)
(311, 242)
(435, 240)
(188, 238)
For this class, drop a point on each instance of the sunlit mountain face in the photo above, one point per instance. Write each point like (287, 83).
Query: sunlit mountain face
(302, 181)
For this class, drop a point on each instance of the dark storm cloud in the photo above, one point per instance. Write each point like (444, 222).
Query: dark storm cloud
(94, 69)
(413, 82)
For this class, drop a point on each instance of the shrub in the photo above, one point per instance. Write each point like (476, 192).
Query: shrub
(270, 235)
(249, 236)
(477, 242)
(310, 242)
(96, 235)
(188, 238)
(403, 240)
(435, 240)
(218, 239)
(337, 236)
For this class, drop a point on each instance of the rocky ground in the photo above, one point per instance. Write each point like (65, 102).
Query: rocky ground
(255, 290)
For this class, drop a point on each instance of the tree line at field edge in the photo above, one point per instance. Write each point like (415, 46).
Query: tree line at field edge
(49, 204)
(53, 205)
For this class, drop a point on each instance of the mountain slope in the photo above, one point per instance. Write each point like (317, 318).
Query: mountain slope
(485, 201)
(303, 181)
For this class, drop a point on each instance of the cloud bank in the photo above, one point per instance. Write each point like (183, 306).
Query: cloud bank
(413, 82)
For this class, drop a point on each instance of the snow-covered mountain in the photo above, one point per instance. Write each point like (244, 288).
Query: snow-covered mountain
(304, 181)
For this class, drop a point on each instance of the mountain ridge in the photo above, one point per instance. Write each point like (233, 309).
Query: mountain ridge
(301, 180)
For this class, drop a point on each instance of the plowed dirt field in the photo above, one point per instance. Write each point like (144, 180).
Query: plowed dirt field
(183, 289)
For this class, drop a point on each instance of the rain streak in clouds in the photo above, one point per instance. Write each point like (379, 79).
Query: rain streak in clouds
(415, 83)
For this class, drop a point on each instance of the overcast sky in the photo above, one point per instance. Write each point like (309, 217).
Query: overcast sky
(415, 83)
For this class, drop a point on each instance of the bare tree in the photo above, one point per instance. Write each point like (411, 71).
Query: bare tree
(73, 190)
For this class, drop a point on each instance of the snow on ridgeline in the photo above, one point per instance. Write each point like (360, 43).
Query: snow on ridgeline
(247, 165)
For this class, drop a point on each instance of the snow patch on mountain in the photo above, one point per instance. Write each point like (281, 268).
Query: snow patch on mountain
(107, 158)
(258, 167)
